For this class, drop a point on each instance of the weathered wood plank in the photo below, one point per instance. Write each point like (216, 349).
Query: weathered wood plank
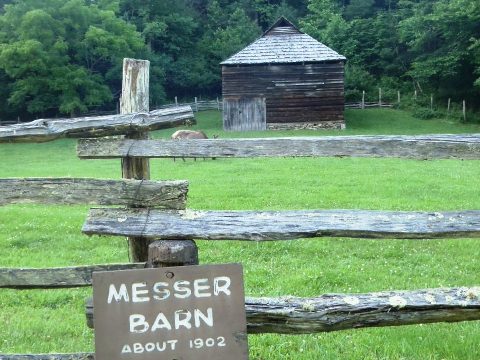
(244, 114)
(282, 225)
(415, 147)
(57, 277)
(333, 312)
(43, 130)
(135, 98)
(163, 194)
(76, 356)
(351, 311)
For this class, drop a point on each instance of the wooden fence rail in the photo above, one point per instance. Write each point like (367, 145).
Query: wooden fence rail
(43, 130)
(414, 147)
(67, 277)
(282, 225)
(68, 191)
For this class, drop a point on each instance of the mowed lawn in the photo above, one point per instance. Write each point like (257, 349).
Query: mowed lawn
(36, 321)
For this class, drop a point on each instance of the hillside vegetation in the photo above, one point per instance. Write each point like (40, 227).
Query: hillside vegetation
(62, 57)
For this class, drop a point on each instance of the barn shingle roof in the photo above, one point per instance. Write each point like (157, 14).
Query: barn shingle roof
(284, 43)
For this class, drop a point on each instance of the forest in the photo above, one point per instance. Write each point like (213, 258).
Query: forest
(64, 58)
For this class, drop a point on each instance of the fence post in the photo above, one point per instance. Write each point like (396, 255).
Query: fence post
(134, 99)
(164, 253)
(464, 111)
(379, 97)
(448, 107)
(415, 95)
(363, 99)
(431, 101)
(176, 102)
(398, 96)
(196, 104)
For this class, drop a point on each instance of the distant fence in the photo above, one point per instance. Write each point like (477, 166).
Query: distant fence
(360, 105)
(197, 105)
(287, 315)
(203, 105)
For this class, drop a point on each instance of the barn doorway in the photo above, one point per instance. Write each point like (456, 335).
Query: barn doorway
(244, 114)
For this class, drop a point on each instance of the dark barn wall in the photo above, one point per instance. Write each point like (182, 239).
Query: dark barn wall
(295, 94)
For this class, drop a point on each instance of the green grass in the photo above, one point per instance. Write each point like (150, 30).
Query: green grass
(38, 321)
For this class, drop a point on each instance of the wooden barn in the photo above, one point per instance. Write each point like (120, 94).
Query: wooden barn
(284, 80)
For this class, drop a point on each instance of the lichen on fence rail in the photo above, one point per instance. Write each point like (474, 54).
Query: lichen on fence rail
(68, 191)
(334, 312)
(282, 225)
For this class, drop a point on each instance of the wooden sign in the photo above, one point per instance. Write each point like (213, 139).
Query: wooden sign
(176, 313)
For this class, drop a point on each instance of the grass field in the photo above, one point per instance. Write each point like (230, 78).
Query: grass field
(36, 321)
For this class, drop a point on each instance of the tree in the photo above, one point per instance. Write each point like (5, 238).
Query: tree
(325, 23)
(58, 55)
(441, 38)
(475, 50)
(171, 30)
(226, 33)
(268, 11)
(360, 9)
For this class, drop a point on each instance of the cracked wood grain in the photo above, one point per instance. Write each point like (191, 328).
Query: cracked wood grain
(412, 147)
(282, 225)
(68, 191)
(66, 277)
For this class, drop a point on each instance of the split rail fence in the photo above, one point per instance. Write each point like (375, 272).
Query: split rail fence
(158, 210)
(164, 217)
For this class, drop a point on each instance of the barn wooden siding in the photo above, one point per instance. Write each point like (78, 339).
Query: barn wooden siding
(293, 93)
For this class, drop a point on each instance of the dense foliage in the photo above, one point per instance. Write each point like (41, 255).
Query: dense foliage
(64, 57)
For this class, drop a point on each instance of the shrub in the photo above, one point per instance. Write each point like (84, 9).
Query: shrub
(425, 113)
